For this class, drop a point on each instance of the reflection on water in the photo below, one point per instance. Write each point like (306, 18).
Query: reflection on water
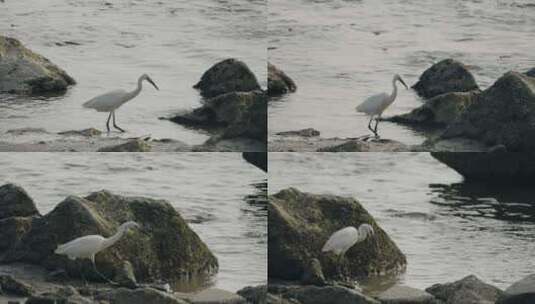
(446, 227)
(468, 199)
(340, 52)
(212, 192)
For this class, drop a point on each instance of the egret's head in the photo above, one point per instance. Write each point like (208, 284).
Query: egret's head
(366, 230)
(128, 225)
(398, 78)
(147, 78)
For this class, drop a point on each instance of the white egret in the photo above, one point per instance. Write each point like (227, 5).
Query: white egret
(86, 247)
(375, 105)
(111, 101)
(345, 238)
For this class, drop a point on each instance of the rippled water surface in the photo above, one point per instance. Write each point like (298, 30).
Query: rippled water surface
(222, 196)
(448, 228)
(173, 41)
(339, 52)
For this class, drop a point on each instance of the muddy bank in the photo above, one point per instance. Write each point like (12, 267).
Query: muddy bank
(93, 140)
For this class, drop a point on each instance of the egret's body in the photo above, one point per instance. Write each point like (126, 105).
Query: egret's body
(86, 247)
(111, 101)
(375, 105)
(343, 239)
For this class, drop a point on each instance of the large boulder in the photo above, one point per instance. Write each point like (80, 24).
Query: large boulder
(491, 166)
(165, 248)
(521, 292)
(300, 224)
(137, 296)
(374, 145)
(25, 72)
(502, 114)
(440, 110)
(229, 75)
(14, 201)
(236, 113)
(469, 290)
(444, 77)
(278, 82)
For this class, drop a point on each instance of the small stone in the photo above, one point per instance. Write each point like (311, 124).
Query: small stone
(405, 295)
(135, 145)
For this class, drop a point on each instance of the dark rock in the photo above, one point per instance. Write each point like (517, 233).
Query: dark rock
(493, 167)
(125, 276)
(440, 110)
(135, 145)
(531, 72)
(309, 132)
(299, 225)
(67, 295)
(444, 77)
(164, 248)
(521, 292)
(230, 75)
(375, 145)
(502, 114)
(278, 82)
(321, 295)
(313, 274)
(90, 132)
(25, 72)
(254, 295)
(138, 296)
(236, 114)
(469, 290)
(14, 201)
(213, 296)
(11, 286)
(259, 159)
(406, 295)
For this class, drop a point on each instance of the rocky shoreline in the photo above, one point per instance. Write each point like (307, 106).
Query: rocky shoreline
(300, 274)
(143, 265)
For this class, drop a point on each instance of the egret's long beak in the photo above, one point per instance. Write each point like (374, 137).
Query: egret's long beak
(152, 82)
(403, 82)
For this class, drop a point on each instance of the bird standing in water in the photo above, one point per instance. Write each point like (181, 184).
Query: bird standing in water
(375, 105)
(111, 101)
(86, 247)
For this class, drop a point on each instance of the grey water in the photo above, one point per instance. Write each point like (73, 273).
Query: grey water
(339, 52)
(447, 227)
(117, 41)
(221, 196)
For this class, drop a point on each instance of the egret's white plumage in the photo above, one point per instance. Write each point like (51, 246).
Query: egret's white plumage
(375, 105)
(86, 247)
(111, 101)
(345, 238)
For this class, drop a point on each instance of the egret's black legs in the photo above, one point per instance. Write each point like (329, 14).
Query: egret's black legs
(375, 128)
(100, 274)
(114, 125)
(370, 124)
(108, 123)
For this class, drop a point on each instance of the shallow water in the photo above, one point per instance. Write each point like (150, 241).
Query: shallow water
(221, 195)
(173, 41)
(447, 228)
(339, 52)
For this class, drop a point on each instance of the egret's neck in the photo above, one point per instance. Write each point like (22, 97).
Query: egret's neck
(394, 90)
(114, 238)
(135, 92)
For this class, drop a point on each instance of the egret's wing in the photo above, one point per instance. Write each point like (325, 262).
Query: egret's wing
(372, 104)
(80, 245)
(340, 240)
(107, 101)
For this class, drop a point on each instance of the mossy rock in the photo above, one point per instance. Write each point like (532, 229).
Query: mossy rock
(229, 75)
(25, 72)
(300, 224)
(165, 248)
